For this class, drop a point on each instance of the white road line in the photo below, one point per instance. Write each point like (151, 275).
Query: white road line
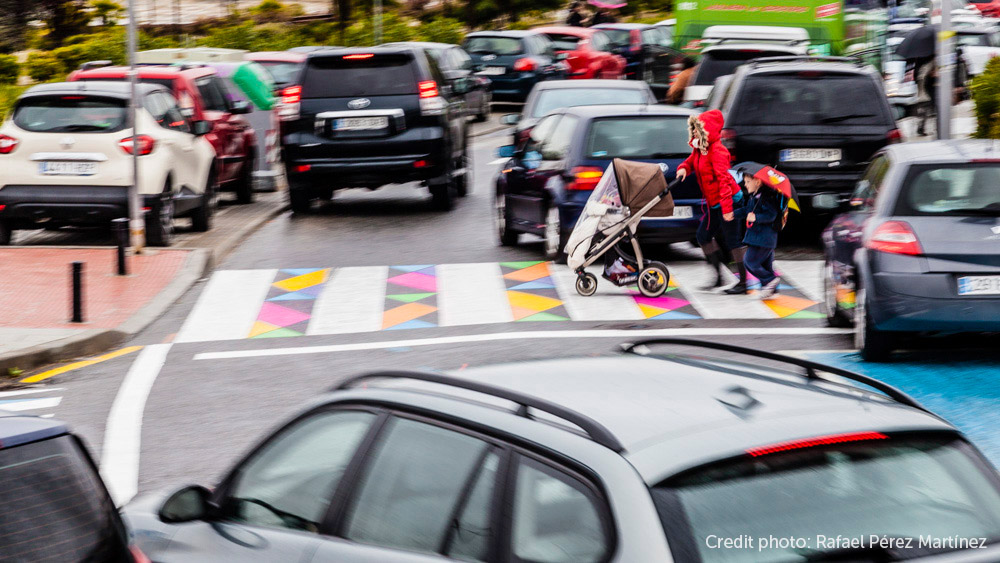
(351, 301)
(470, 294)
(528, 335)
(30, 404)
(805, 275)
(30, 391)
(228, 307)
(123, 431)
(498, 161)
(692, 275)
(610, 303)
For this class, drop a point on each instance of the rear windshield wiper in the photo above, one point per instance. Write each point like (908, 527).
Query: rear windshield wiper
(835, 118)
(79, 128)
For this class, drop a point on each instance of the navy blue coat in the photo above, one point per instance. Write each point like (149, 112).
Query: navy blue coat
(768, 206)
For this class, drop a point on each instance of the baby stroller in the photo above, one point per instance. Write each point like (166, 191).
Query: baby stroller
(627, 192)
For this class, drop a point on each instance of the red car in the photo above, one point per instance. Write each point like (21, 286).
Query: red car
(588, 52)
(988, 8)
(202, 96)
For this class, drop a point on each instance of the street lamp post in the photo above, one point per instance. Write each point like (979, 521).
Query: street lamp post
(946, 69)
(136, 223)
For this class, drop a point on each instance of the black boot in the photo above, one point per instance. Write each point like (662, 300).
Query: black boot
(714, 257)
(741, 286)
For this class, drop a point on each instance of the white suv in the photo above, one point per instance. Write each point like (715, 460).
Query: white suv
(66, 151)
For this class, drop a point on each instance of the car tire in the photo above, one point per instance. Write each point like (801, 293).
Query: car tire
(555, 238)
(507, 236)
(160, 220)
(834, 316)
(299, 199)
(484, 109)
(201, 219)
(441, 197)
(874, 345)
(244, 185)
(6, 234)
(462, 182)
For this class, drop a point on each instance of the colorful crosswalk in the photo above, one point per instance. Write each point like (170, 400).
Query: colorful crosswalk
(239, 304)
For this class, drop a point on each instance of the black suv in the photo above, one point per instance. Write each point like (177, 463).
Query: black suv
(374, 116)
(818, 119)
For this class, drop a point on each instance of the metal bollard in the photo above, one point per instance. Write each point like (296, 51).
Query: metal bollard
(120, 227)
(77, 269)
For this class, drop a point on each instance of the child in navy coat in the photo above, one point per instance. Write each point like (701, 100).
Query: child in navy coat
(763, 211)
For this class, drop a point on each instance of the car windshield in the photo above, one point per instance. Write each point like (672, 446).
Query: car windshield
(563, 42)
(619, 37)
(813, 497)
(809, 98)
(648, 137)
(720, 63)
(973, 39)
(558, 98)
(70, 114)
(54, 507)
(492, 45)
(964, 189)
(283, 73)
(342, 76)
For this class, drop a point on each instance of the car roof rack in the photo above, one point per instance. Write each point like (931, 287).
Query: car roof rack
(593, 429)
(806, 59)
(811, 367)
(94, 64)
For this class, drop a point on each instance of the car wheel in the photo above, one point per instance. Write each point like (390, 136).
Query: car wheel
(508, 237)
(834, 316)
(484, 109)
(160, 221)
(201, 219)
(874, 345)
(654, 279)
(6, 234)
(244, 186)
(462, 181)
(442, 197)
(299, 199)
(554, 237)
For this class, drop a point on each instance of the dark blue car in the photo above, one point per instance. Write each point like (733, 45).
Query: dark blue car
(514, 61)
(543, 187)
(919, 251)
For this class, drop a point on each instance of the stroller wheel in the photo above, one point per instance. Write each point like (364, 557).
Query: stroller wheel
(586, 284)
(654, 279)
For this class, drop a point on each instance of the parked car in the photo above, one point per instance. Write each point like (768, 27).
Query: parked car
(918, 251)
(587, 51)
(203, 97)
(456, 65)
(557, 461)
(368, 117)
(979, 45)
(724, 58)
(818, 119)
(988, 8)
(550, 96)
(66, 153)
(545, 184)
(513, 61)
(900, 86)
(284, 68)
(649, 53)
(53, 505)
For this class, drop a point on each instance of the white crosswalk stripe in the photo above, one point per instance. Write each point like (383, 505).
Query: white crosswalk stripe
(691, 276)
(27, 401)
(806, 275)
(228, 306)
(351, 301)
(470, 294)
(610, 303)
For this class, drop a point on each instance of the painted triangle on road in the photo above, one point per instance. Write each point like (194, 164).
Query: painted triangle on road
(299, 271)
(675, 315)
(278, 333)
(413, 267)
(303, 281)
(520, 265)
(541, 283)
(409, 297)
(261, 327)
(415, 323)
(294, 296)
(807, 315)
(542, 317)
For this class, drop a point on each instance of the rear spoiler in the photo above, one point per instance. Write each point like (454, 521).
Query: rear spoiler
(95, 64)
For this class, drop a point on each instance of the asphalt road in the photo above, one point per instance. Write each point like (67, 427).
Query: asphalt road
(216, 395)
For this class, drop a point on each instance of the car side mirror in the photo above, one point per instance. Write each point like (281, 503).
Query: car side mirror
(461, 86)
(187, 504)
(201, 127)
(240, 107)
(506, 151)
(510, 119)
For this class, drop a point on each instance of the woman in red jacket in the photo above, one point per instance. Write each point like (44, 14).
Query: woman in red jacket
(709, 161)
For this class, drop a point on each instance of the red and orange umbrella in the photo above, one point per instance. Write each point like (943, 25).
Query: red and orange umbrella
(773, 179)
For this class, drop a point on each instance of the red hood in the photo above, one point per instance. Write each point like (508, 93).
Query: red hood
(713, 122)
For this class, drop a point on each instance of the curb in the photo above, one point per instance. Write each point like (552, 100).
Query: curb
(489, 131)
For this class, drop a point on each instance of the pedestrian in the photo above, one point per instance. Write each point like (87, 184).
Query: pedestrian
(675, 94)
(925, 75)
(764, 213)
(602, 15)
(709, 161)
(575, 18)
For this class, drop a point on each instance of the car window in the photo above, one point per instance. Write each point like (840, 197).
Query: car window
(343, 77)
(564, 42)
(173, 118)
(973, 39)
(493, 45)
(558, 98)
(845, 486)
(53, 506)
(462, 60)
(213, 97)
(870, 183)
(472, 529)
(283, 73)
(658, 137)
(435, 68)
(557, 145)
(70, 114)
(556, 518)
(619, 37)
(650, 37)
(813, 98)
(545, 47)
(971, 189)
(409, 493)
(722, 62)
(289, 482)
(600, 42)
(539, 133)
(156, 107)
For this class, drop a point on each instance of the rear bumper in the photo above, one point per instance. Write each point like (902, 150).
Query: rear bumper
(28, 206)
(514, 86)
(652, 230)
(809, 183)
(929, 302)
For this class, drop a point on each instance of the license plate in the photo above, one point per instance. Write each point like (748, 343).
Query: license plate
(809, 155)
(979, 285)
(360, 123)
(493, 70)
(58, 168)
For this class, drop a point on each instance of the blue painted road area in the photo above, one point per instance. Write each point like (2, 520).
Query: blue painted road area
(965, 392)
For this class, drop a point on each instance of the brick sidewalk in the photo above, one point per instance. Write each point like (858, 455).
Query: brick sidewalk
(35, 286)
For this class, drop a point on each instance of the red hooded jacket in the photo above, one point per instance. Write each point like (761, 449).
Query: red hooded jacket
(709, 161)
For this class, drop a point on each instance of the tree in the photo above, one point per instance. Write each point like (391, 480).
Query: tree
(64, 18)
(108, 10)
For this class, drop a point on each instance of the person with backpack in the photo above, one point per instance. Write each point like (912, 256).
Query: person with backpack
(765, 213)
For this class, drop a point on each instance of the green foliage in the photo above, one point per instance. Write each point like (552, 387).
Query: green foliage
(275, 11)
(71, 56)
(108, 11)
(9, 69)
(986, 97)
(442, 30)
(65, 18)
(9, 93)
(43, 66)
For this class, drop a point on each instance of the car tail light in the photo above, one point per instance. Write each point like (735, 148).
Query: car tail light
(137, 555)
(8, 144)
(303, 168)
(524, 65)
(428, 89)
(291, 98)
(895, 237)
(431, 102)
(728, 139)
(146, 144)
(585, 178)
(635, 45)
(358, 56)
(420, 164)
(895, 136)
(817, 441)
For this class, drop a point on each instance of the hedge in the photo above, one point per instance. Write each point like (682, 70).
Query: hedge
(986, 97)
(42, 66)
(9, 69)
(9, 93)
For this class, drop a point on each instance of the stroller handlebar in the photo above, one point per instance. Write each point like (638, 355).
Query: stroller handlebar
(670, 186)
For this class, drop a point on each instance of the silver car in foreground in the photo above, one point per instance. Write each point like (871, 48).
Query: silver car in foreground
(654, 455)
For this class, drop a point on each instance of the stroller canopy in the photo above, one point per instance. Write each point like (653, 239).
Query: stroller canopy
(639, 183)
